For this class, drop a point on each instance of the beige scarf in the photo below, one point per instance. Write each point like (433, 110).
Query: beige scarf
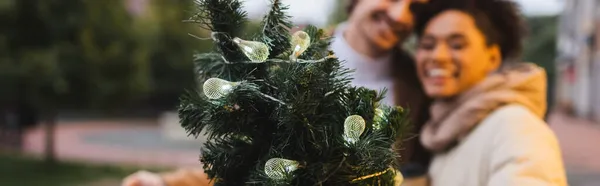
(452, 120)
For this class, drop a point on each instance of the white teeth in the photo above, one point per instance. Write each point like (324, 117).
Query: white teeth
(438, 73)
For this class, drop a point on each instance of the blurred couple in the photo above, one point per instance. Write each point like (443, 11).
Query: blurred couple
(477, 111)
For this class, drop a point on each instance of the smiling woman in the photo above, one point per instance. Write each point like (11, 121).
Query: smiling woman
(462, 41)
(486, 118)
(454, 55)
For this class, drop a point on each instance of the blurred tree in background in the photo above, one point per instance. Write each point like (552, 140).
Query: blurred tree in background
(94, 56)
(29, 61)
(105, 52)
(173, 48)
(88, 54)
(339, 13)
(540, 48)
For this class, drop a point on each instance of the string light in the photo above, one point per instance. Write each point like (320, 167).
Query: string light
(215, 88)
(279, 168)
(354, 126)
(256, 51)
(300, 42)
(378, 119)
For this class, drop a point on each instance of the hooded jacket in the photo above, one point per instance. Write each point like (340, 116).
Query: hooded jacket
(494, 134)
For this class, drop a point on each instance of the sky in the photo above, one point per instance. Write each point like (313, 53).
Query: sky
(541, 7)
(317, 11)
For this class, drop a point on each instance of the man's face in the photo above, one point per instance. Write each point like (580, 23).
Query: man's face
(384, 22)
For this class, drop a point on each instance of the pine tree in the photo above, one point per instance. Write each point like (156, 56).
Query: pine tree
(278, 108)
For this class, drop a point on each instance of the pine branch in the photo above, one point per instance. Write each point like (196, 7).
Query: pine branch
(319, 44)
(285, 109)
(238, 131)
(275, 30)
(213, 65)
(368, 156)
(223, 163)
(225, 18)
(399, 123)
(239, 112)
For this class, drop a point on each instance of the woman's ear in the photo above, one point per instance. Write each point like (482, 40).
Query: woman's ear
(495, 57)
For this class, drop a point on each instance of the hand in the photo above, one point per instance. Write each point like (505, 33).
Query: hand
(143, 178)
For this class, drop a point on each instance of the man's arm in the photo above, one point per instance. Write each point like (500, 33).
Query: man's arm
(181, 177)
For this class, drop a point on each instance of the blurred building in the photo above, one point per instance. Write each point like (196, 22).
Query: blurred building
(578, 63)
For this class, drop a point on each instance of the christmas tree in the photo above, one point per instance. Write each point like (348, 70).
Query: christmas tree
(278, 108)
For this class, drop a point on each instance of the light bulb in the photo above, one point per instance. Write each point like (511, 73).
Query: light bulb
(300, 42)
(399, 178)
(378, 119)
(215, 88)
(279, 168)
(256, 51)
(354, 126)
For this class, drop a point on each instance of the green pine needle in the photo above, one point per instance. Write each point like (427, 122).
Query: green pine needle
(289, 110)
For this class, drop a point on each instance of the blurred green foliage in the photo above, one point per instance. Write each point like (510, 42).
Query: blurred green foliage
(540, 45)
(100, 54)
(540, 48)
(339, 13)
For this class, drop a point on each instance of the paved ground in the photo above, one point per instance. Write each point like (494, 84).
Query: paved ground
(139, 142)
(580, 143)
(136, 142)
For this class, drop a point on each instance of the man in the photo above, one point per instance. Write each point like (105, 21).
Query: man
(367, 40)
(368, 43)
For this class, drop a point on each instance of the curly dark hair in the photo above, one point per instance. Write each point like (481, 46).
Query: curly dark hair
(500, 21)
